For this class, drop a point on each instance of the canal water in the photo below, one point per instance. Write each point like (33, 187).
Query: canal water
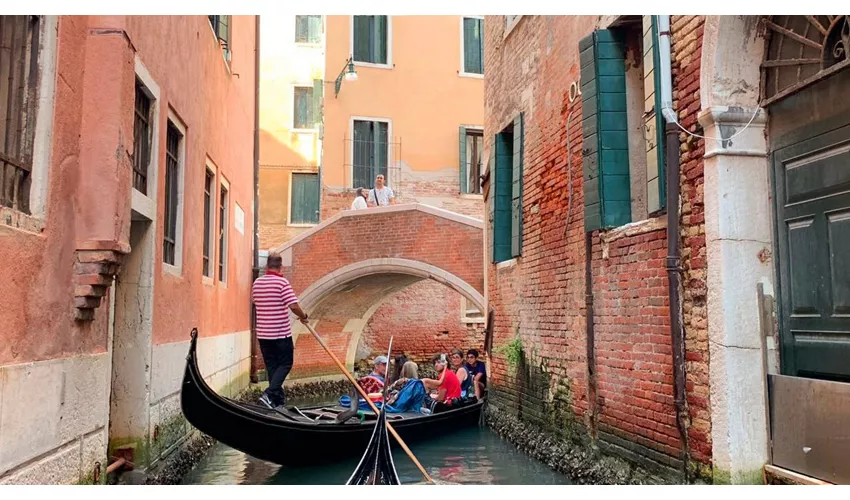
(469, 456)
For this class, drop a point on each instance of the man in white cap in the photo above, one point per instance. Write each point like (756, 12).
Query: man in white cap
(374, 382)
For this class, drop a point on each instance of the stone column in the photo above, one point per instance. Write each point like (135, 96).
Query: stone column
(738, 228)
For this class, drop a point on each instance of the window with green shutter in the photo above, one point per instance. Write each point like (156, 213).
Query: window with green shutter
(303, 107)
(370, 150)
(623, 129)
(470, 159)
(607, 192)
(304, 201)
(473, 45)
(371, 39)
(506, 194)
(308, 29)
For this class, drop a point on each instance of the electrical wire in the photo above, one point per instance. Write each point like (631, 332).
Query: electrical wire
(736, 134)
(569, 172)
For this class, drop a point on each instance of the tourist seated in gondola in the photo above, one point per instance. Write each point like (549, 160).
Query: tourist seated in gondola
(477, 371)
(446, 387)
(409, 372)
(374, 382)
(462, 375)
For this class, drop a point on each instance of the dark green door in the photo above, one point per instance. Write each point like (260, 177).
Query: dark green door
(305, 199)
(813, 233)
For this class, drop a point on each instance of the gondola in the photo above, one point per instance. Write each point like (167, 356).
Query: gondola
(295, 436)
(377, 466)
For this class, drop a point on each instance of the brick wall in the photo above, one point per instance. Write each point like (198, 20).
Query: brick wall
(416, 314)
(628, 406)
(424, 319)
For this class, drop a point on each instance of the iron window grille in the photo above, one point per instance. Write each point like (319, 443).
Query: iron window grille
(142, 139)
(221, 27)
(172, 170)
(208, 189)
(222, 235)
(19, 42)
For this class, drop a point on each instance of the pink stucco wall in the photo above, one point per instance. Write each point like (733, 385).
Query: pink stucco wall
(89, 182)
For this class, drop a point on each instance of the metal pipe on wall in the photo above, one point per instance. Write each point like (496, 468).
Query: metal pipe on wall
(256, 215)
(674, 258)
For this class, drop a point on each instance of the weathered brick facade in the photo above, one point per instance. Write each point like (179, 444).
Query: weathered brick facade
(418, 316)
(382, 301)
(627, 404)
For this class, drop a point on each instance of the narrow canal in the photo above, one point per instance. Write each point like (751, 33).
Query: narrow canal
(470, 456)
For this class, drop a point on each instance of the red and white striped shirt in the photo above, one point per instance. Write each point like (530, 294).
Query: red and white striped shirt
(273, 295)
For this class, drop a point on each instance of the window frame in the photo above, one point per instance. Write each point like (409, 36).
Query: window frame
(389, 63)
(480, 133)
(146, 204)
(209, 231)
(226, 50)
(317, 43)
(511, 22)
(177, 267)
(387, 179)
(223, 241)
(289, 198)
(463, 71)
(41, 138)
(311, 88)
(465, 318)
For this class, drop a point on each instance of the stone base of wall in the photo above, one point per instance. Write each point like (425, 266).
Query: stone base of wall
(582, 463)
(54, 418)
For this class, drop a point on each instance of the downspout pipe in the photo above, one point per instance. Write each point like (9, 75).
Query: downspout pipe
(256, 215)
(674, 257)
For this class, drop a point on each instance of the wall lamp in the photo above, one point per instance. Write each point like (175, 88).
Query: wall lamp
(347, 73)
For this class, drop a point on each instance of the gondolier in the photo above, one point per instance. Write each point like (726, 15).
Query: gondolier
(274, 298)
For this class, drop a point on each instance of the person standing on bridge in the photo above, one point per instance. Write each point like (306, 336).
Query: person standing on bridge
(274, 298)
(359, 203)
(381, 195)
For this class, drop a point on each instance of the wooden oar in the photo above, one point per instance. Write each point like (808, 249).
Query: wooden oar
(369, 401)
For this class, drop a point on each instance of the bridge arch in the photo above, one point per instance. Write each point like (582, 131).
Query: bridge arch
(345, 268)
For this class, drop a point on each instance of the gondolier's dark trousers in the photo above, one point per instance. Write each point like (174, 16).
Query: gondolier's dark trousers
(277, 354)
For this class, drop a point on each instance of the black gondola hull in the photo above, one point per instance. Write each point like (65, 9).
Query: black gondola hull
(267, 436)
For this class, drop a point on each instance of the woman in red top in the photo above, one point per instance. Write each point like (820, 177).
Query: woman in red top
(446, 384)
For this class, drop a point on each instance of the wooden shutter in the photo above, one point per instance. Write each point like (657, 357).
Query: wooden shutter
(655, 166)
(607, 191)
(472, 46)
(462, 166)
(502, 223)
(303, 108)
(491, 200)
(362, 149)
(302, 29)
(516, 188)
(362, 38)
(381, 38)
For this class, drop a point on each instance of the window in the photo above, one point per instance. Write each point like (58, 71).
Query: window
(304, 198)
(623, 127)
(222, 233)
(18, 69)
(505, 200)
(370, 151)
(142, 139)
(473, 45)
(370, 39)
(221, 28)
(469, 312)
(308, 29)
(173, 206)
(303, 117)
(471, 148)
(209, 184)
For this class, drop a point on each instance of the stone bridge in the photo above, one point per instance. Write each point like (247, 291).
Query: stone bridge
(343, 269)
